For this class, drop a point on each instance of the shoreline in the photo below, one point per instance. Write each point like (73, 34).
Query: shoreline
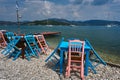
(113, 64)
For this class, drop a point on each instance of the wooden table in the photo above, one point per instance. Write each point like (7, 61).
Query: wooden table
(64, 47)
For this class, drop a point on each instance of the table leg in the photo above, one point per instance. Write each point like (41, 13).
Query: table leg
(92, 67)
(61, 61)
(86, 62)
(56, 65)
(23, 52)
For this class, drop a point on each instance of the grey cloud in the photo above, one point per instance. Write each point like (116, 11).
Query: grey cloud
(87, 9)
(100, 2)
(76, 2)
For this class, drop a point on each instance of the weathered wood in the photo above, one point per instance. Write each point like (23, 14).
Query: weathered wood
(113, 64)
(51, 33)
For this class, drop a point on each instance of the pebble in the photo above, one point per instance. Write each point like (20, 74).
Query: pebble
(36, 69)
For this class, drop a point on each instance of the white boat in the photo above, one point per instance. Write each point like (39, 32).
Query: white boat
(109, 25)
(49, 25)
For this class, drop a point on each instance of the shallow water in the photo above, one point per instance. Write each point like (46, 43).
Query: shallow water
(105, 40)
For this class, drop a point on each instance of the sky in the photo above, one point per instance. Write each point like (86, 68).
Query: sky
(75, 10)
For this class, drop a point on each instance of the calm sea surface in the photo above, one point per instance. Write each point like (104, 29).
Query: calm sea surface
(105, 40)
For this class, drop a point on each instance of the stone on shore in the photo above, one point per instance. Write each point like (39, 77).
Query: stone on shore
(36, 69)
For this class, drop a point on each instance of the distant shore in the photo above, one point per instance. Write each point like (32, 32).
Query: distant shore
(57, 21)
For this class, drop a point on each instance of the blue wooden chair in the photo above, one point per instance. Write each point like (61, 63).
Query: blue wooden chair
(93, 57)
(54, 57)
(12, 50)
(10, 36)
(15, 54)
(42, 43)
(32, 48)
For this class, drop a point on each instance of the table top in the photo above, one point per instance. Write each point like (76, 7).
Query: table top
(64, 45)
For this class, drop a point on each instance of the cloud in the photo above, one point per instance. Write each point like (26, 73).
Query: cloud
(60, 2)
(116, 0)
(7, 10)
(76, 2)
(41, 9)
(38, 10)
(100, 2)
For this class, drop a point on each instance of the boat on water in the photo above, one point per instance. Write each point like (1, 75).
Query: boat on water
(49, 25)
(50, 33)
(109, 25)
(43, 33)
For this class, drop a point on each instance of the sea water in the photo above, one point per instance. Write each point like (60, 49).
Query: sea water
(105, 40)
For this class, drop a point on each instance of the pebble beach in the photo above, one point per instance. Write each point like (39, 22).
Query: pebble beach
(36, 69)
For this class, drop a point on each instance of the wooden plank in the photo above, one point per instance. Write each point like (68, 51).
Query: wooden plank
(51, 33)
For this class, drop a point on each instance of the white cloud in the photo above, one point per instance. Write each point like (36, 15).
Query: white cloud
(87, 2)
(39, 9)
(116, 1)
(42, 10)
(48, 7)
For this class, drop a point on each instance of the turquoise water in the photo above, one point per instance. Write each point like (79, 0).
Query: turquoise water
(105, 40)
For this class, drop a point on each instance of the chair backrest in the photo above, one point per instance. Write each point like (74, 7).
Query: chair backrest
(76, 46)
(76, 56)
(2, 40)
(9, 36)
(11, 46)
(30, 40)
(42, 43)
(32, 44)
(15, 40)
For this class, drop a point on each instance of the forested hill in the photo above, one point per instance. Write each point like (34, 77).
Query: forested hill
(56, 21)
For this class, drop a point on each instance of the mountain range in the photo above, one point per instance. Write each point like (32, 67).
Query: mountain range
(56, 21)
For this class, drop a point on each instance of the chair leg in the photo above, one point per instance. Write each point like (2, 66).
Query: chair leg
(17, 56)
